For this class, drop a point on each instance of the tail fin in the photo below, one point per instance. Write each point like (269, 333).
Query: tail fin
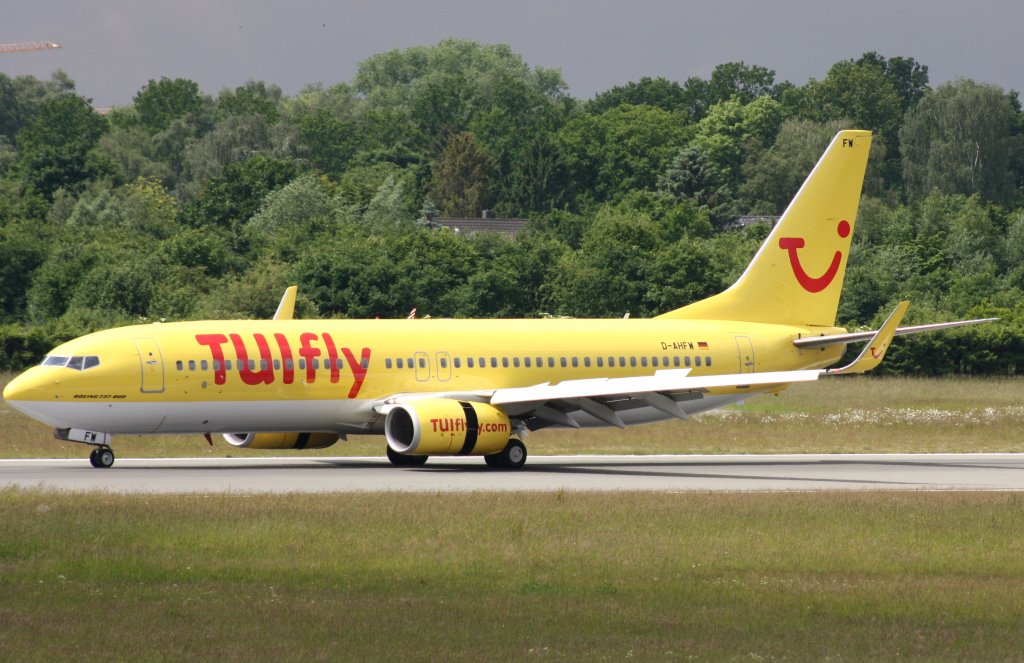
(797, 275)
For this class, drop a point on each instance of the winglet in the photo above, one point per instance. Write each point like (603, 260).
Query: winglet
(286, 309)
(873, 353)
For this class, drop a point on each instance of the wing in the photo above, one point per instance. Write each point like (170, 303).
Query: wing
(604, 398)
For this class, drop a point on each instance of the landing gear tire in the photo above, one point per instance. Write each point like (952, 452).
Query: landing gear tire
(512, 457)
(405, 460)
(101, 457)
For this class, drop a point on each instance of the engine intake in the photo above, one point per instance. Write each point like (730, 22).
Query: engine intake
(446, 427)
(282, 440)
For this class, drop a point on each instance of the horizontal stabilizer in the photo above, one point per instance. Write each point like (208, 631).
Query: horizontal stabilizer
(857, 337)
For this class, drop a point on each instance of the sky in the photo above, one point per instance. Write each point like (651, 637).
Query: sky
(112, 48)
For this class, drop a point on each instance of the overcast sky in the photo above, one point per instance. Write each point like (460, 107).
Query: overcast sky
(112, 48)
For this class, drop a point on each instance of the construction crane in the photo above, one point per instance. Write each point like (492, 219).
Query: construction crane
(27, 46)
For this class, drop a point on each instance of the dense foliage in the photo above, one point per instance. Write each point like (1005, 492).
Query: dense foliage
(184, 206)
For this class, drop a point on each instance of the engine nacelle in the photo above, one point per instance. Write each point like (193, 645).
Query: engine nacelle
(282, 440)
(446, 427)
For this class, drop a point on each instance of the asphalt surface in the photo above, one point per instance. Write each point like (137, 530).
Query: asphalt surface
(542, 473)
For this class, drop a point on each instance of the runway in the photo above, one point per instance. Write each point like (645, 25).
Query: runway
(542, 473)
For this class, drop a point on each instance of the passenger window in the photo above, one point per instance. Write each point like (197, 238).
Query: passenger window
(444, 362)
(563, 362)
(204, 365)
(707, 361)
(526, 362)
(387, 363)
(277, 365)
(302, 364)
(180, 365)
(482, 363)
(586, 362)
(263, 364)
(675, 361)
(622, 362)
(643, 361)
(540, 362)
(289, 365)
(687, 361)
(551, 362)
(575, 362)
(457, 362)
(632, 362)
(515, 362)
(227, 364)
(469, 362)
(600, 362)
(504, 362)
(191, 364)
(400, 363)
(316, 363)
(494, 362)
(654, 362)
(696, 361)
(423, 362)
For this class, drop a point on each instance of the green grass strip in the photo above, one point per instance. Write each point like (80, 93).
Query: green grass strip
(839, 576)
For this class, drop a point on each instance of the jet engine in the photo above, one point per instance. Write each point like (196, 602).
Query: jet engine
(446, 427)
(282, 440)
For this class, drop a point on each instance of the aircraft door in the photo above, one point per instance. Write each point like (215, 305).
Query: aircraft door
(444, 366)
(152, 365)
(746, 354)
(422, 366)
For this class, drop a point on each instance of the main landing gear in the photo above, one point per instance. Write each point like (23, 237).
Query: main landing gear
(405, 460)
(102, 457)
(512, 457)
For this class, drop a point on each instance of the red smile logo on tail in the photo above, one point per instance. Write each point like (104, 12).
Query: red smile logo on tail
(811, 283)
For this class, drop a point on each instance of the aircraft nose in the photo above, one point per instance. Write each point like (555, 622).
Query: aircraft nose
(15, 389)
(29, 386)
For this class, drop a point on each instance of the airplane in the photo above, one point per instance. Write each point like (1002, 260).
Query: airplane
(443, 387)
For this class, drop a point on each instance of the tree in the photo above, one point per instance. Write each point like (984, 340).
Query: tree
(623, 149)
(461, 184)
(161, 102)
(658, 92)
(253, 98)
(231, 198)
(693, 175)
(962, 138)
(54, 148)
(732, 81)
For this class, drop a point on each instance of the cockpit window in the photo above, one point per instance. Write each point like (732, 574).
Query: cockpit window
(78, 363)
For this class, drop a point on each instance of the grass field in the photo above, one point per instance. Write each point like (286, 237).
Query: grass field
(836, 415)
(824, 576)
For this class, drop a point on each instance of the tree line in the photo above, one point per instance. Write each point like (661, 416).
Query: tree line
(183, 205)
